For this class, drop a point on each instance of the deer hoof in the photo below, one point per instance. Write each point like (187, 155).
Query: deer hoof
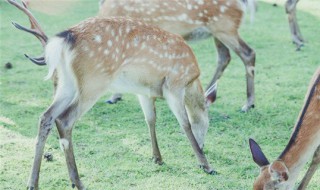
(114, 101)
(30, 188)
(157, 160)
(208, 170)
(246, 108)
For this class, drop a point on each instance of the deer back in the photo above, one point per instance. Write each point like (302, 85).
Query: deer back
(180, 16)
(123, 55)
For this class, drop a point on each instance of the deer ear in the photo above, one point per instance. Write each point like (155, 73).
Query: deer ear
(257, 154)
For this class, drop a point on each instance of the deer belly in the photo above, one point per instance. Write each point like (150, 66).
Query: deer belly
(138, 83)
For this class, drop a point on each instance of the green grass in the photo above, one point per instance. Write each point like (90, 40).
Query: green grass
(112, 145)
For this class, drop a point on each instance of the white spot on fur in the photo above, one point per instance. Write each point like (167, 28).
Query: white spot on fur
(98, 39)
(200, 2)
(223, 8)
(64, 144)
(106, 52)
(109, 43)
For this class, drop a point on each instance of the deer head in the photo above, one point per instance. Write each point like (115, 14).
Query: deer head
(272, 176)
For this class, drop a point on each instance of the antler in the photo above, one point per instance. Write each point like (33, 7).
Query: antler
(35, 29)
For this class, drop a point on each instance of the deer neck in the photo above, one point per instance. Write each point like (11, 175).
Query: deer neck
(306, 135)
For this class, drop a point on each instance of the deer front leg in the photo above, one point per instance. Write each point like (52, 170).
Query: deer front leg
(148, 107)
(312, 169)
(248, 57)
(293, 23)
(223, 61)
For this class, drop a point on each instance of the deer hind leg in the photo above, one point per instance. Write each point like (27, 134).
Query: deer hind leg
(223, 61)
(247, 56)
(175, 100)
(148, 107)
(45, 125)
(312, 169)
(65, 124)
(293, 23)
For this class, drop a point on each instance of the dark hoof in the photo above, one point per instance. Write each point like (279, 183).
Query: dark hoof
(208, 170)
(245, 108)
(113, 101)
(30, 188)
(73, 186)
(109, 102)
(157, 161)
(213, 172)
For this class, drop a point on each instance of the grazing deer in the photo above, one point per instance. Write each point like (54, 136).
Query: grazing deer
(123, 55)
(293, 24)
(305, 141)
(220, 17)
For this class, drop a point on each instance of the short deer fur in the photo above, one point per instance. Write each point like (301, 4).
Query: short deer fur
(220, 17)
(305, 141)
(293, 24)
(122, 55)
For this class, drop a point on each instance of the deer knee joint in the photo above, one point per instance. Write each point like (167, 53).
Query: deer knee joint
(64, 144)
(250, 71)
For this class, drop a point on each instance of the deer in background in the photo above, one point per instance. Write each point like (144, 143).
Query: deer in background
(123, 55)
(220, 17)
(305, 141)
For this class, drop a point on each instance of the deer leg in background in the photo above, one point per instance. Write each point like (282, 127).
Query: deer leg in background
(114, 98)
(247, 56)
(312, 169)
(223, 61)
(148, 107)
(293, 24)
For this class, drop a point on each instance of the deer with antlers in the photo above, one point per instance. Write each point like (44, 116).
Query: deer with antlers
(222, 18)
(305, 141)
(123, 55)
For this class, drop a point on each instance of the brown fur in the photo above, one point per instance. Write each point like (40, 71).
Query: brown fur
(221, 17)
(304, 142)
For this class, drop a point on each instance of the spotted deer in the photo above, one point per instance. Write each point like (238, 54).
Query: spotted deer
(222, 18)
(124, 55)
(293, 23)
(305, 141)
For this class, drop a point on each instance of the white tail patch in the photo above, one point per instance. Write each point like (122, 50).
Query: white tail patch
(54, 54)
(64, 144)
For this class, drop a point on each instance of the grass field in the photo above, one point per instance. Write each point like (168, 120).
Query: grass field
(112, 145)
